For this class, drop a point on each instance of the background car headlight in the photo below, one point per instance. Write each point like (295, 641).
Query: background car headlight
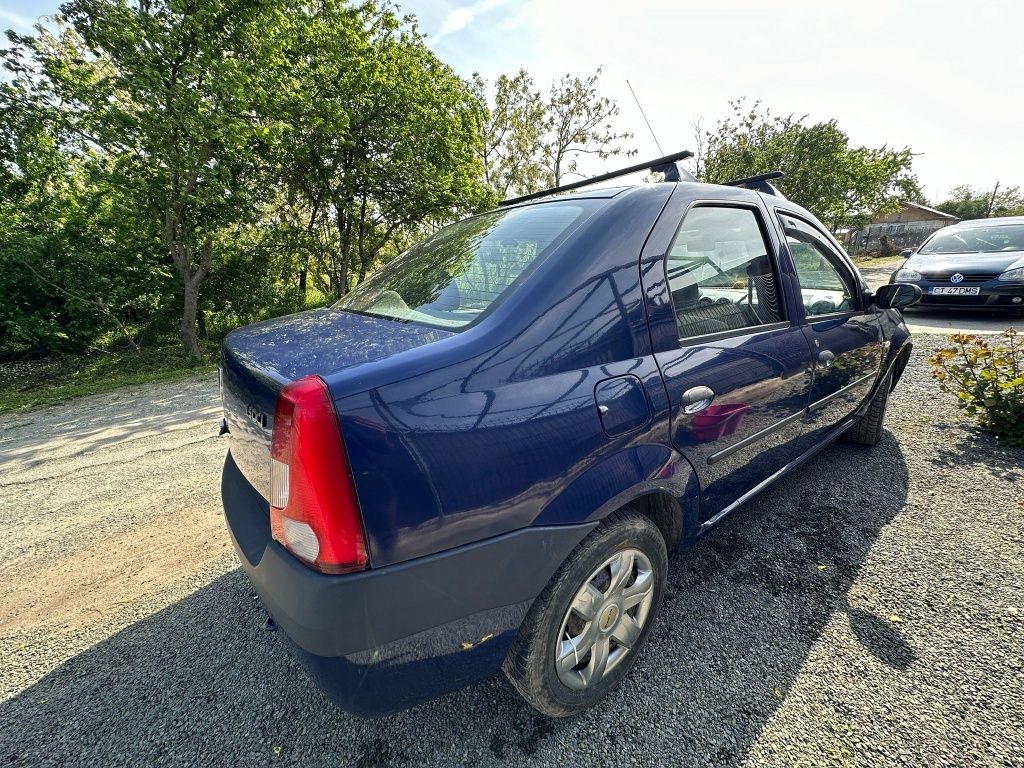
(907, 275)
(1013, 274)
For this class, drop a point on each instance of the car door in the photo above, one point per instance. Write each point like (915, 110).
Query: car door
(842, 329)
(736, 366)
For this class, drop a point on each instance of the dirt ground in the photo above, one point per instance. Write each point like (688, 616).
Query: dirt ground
(108, 502)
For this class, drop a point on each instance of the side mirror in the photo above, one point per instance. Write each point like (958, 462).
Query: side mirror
(907, 252)
(897, 296)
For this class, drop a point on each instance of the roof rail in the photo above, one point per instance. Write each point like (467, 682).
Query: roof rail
(664, 165)
(760, 183)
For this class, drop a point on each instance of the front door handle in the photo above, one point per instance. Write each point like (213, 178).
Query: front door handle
(825, 358)
(697, 399)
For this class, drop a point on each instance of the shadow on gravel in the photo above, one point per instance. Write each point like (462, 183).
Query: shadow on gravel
(975, 449)
(922, 319)
(199, 683)
(879, 637)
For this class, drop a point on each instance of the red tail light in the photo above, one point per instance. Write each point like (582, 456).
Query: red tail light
(314, 513)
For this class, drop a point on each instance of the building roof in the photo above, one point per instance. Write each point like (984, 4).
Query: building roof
(938, 214)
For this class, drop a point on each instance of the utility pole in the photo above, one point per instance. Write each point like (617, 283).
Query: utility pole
(992, 201)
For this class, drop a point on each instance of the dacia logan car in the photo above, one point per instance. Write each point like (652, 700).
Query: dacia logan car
(481, 457)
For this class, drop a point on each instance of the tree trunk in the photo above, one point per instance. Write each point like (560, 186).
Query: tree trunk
(343, 222)
(188, 319)
(191, 279)
(176, 239)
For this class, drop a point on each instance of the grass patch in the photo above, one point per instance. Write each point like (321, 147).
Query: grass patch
(32, 384)
(876, 261)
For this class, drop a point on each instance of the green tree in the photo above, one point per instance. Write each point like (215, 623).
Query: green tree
(840, 184)
(966, 202)
(579, 123)
(380, 138)
(75, 264)
(179, 167)
(512, 135)
(172, 94)
(529, 141)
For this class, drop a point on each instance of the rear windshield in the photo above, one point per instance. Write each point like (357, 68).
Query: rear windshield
(1005, 237)
(450, 279)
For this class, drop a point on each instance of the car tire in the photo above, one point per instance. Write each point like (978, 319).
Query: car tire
(583, 632)
(867, 430)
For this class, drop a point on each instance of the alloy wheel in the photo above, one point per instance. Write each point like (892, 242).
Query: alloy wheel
(605, 619)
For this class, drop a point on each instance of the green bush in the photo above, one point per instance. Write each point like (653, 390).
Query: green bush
(987, 378)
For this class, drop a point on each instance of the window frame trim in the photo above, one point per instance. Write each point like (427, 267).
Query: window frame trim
(760, 216)
(750, 330)
(858, 279)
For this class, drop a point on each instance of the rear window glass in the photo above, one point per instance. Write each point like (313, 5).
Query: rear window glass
(453, 277)
(1001, 237)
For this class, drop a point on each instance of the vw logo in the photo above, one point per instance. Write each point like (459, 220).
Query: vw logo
(956, 278)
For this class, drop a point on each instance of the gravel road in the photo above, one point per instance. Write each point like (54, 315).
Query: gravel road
(865, 611)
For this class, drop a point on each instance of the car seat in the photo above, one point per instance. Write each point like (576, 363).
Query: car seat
(761, 282)
(696, 318)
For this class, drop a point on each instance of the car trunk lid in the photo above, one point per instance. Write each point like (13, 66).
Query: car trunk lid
(258, 360)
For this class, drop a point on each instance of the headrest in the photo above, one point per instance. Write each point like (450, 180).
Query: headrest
(686, 296)
(759, 266)
(699, 244)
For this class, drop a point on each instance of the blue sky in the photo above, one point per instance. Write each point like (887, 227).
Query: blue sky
(946, 79)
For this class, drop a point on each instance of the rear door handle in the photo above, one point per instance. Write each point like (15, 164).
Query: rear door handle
(825, 358)
(697, 399)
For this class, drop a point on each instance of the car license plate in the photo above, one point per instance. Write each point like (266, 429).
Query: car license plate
(954, 291)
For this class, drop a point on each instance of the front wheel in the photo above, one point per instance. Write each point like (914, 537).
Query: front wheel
(584, 631)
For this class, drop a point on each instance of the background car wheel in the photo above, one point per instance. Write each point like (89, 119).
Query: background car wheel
(867, 430)
(584, 631)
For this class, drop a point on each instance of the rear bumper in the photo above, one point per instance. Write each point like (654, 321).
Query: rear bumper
(392, 637)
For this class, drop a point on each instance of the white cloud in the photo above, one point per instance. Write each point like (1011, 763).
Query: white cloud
(461, 17)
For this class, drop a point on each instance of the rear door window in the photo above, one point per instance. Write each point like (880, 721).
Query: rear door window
(720, 273)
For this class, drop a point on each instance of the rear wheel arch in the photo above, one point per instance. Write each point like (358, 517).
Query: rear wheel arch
(672, 508)
(662, 486)
(665, 511)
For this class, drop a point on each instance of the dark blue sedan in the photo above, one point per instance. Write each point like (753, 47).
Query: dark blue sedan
(481, 457)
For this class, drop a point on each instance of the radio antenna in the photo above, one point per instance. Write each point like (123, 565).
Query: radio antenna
(645, 117)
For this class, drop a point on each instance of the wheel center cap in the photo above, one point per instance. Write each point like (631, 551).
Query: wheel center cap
(608, 617)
